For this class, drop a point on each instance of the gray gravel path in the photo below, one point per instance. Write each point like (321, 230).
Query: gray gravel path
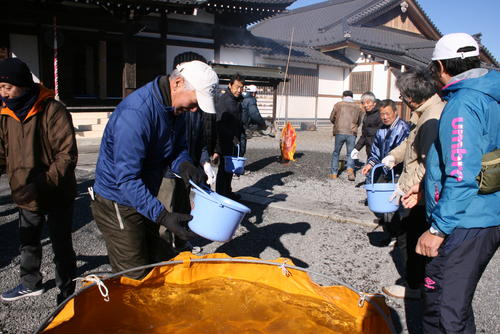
(297, 213)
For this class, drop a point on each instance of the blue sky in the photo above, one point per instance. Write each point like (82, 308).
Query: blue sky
(458, 16)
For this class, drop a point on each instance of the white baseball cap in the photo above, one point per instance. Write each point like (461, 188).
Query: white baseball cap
(251, 89)
(447, 47)
(204, 80)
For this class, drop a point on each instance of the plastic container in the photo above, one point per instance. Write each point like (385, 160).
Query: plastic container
(236, 164)
(215, 217)
(378, 194)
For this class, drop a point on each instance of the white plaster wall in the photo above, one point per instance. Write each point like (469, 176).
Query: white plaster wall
(25, 47)
(235, 56)
(173, 51)
(380, 81)
(331, 80)
(394, 92)
(298, 106)
(325, 106)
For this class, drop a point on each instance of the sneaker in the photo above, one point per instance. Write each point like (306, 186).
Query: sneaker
(350, 174)
(20, 292)
(400, 291)
(332, 176)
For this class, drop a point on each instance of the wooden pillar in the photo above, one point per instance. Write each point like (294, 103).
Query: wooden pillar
(129, 80)
(103, 70)
(275, 100)
(316, 102)
(216, 32)
(163, 38)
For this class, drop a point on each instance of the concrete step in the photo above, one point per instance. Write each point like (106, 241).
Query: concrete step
(100, 114)
(89, 134)
(90, 121)
(91, 127)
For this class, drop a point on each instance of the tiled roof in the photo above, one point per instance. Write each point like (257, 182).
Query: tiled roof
(307, 20)
(304, 54)
(336, 21)
(270, 49)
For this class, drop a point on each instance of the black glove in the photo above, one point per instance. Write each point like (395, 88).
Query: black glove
(176, 223)
(236, 141)
(189, 172)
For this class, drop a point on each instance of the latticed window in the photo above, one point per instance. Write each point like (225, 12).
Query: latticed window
(361, 82)
(302, 82)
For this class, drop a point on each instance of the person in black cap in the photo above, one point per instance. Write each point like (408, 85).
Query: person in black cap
(38, 153)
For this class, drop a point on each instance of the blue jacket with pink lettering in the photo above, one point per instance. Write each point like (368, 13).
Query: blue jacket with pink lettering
(468, 128)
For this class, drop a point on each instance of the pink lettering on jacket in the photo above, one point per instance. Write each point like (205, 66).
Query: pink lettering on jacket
(429, 283)
(457, 150)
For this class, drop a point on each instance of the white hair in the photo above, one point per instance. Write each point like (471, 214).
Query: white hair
(177, 74)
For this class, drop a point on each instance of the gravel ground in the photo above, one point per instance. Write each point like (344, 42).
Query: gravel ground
(320, 224)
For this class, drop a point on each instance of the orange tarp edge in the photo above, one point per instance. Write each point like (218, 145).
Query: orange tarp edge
(297, 282)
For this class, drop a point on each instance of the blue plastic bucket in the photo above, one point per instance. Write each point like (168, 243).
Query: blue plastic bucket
(215, 217)
(379, 193)
(234, 165)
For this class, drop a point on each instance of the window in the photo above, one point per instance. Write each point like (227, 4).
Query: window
(302, 82)
(360, 82)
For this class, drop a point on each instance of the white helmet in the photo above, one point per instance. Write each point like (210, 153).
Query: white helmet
(251, 89)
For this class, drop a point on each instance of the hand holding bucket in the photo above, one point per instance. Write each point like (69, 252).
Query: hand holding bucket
(379, 194)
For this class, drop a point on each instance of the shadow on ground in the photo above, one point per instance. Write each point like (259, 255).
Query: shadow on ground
(258, 238)
(9, 231)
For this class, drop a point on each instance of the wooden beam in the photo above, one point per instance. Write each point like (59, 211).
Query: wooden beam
(129, 77)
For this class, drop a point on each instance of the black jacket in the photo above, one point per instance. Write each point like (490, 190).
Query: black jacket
(229, 124)
(371, 123)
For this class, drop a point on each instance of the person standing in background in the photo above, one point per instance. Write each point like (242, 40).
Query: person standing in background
(371, 123)
(229, 132)
(346, 117)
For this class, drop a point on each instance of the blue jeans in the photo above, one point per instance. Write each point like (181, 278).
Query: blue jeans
(339, 142)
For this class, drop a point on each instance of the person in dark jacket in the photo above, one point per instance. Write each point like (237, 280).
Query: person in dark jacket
(250, 116)
(371, 123)
(145, 135)
(252, 120)
(229, 131)
(39, 154)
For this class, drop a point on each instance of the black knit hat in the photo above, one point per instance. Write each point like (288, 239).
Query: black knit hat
(15, 72)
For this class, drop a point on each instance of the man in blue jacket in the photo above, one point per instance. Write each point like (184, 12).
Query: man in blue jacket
(392, 133)
(465, 224)
(146, 135)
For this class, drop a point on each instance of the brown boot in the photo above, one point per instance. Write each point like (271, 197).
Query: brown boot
(350, 174)
(332, 176)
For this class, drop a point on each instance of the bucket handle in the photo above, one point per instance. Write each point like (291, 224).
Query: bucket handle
(377, 166)
(205, 192)
(200, 189)
(238, 146)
